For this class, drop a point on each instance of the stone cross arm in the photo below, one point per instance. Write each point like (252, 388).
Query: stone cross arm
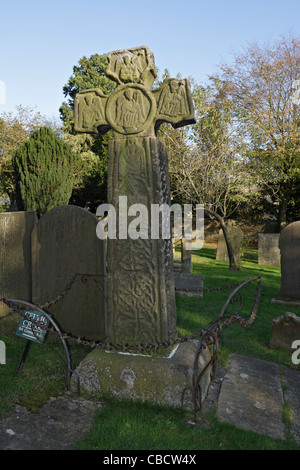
(133, 109)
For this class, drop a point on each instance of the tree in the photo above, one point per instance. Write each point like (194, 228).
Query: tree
(91, 187)
(258, 86)
(205, 165)
(45, 169)
(15, 129)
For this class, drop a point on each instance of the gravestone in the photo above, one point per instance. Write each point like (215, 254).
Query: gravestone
(141, 292)
(15, 256)
(236, 235)
(289, 244)
(189, 284)
(268, 249)
(64, 242)
(186, 257)
(285, 330)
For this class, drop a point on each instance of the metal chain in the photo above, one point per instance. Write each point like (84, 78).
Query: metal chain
(118, 347)
(209, 336)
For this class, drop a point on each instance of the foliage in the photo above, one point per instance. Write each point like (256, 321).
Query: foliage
(91, 186)
(44, 169)
(15, 129)
(258, 87)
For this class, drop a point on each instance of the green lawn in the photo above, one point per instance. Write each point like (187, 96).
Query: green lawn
(123, 425)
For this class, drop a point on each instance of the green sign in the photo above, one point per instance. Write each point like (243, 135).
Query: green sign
(33, 326)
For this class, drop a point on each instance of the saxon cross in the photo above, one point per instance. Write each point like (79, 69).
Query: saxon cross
(141, 292)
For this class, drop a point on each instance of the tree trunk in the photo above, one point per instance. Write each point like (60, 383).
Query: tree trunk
(281, 218)
(232, 261)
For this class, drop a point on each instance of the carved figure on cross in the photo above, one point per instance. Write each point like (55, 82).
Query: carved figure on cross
(133, 108)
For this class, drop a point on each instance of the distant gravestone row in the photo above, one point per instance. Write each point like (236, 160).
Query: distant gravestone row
(236, 236)
(39, 259)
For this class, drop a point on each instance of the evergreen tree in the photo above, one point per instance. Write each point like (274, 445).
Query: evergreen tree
(45, 168)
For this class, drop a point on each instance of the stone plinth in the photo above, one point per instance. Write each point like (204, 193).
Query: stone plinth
(149, 378)
(268, 249)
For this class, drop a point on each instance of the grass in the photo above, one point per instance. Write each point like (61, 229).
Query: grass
(126, 425)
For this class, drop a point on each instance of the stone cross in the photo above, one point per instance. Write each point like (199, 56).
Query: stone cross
(141, 293)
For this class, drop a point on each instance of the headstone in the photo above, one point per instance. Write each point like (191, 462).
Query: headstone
(285, 330)
(236, 236)
(189, 284)
(289, 244)
(268, 249)
(186, 257)
(141, 291)
(64, 242)
(15, 256)
(292, 398)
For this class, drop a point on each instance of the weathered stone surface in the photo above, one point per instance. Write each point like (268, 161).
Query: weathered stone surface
(141, 296)
(251, 397)
(59, 425)
(64, 243)
(289, 244)
(133, 108)
(149, 378)
(236, 235)
(285, 330)
(189, 284)
(15, 256)
(141, 293)
(268, 249)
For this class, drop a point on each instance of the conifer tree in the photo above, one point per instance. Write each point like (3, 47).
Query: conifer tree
(45, 168)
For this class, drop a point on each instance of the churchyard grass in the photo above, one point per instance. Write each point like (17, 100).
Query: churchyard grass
(123, 425)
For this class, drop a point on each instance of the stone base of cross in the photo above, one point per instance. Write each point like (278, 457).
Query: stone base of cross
(141, 292)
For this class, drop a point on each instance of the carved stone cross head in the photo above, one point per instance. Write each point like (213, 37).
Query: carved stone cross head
(133, 109)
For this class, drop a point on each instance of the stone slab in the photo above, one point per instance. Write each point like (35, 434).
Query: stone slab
(65, 243)
(188, 284)
(59, 425)
(251, 397)
(149, 378)
(292, 398)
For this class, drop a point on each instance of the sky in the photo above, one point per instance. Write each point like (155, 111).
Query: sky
(41, 41)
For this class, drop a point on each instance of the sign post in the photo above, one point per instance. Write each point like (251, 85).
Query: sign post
(33, 327)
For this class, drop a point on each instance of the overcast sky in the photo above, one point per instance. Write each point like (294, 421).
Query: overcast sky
(41, 41)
